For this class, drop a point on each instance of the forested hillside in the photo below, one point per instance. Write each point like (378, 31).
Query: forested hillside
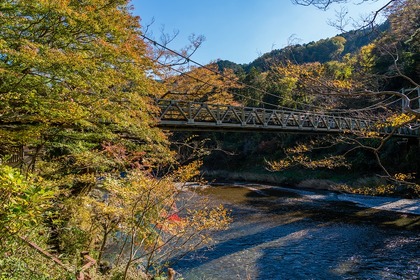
(362, 72)
(322, 51)
(91, 187)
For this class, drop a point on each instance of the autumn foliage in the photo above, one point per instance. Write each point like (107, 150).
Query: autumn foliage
(204, 84)
(79, 145)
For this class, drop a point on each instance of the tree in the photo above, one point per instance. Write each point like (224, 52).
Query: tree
(399, 49)
(252, 93)
(322, 4)
(381, 70)
(204, 84)
(73, 76)
(77, 107)
(24, 203)
(342, 20)
(310, 86)
(325, 4)
(138, 224)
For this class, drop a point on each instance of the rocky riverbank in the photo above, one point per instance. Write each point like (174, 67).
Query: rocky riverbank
(349, 183)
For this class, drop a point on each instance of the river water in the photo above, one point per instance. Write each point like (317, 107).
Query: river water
(280, 233)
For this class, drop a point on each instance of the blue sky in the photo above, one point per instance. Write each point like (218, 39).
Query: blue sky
(241, 30)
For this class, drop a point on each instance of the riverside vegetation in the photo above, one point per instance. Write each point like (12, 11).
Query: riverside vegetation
(76, 106)
(87, 180)
(361, 71)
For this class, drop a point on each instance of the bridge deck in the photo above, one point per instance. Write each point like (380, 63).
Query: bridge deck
(182, 115)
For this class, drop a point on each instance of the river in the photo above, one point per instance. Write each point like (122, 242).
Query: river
(280, 233)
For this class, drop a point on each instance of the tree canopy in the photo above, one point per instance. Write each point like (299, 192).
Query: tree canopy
(77, 130)
(364, 73)
(74, 75)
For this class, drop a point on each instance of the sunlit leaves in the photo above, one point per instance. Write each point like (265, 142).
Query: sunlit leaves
(301, 148)
(398, 120)
(411, 190)
(366, 58)
(76, 99)
(404, 176)
(300, 84)
(188, 172)
(74, 91)
(404, 17)
(369, 190)
(330, 162)
(299, 155)
(209, 219)
(75, 96)
(22, 201)
(148, 215)
(204, 84)
(279, 165)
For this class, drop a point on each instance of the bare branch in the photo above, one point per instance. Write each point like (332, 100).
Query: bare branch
(342, 21)
(320, 4)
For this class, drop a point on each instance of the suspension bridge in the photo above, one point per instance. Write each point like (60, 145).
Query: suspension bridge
(199, 116)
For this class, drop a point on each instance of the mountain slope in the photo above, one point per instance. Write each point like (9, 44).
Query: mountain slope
(322, 51)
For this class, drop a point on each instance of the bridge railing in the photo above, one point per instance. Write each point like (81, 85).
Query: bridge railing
(198, 115)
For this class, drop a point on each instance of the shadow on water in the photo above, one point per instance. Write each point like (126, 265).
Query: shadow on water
(278, 234)
(234, 245)
(338, 252)
(331, 211)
